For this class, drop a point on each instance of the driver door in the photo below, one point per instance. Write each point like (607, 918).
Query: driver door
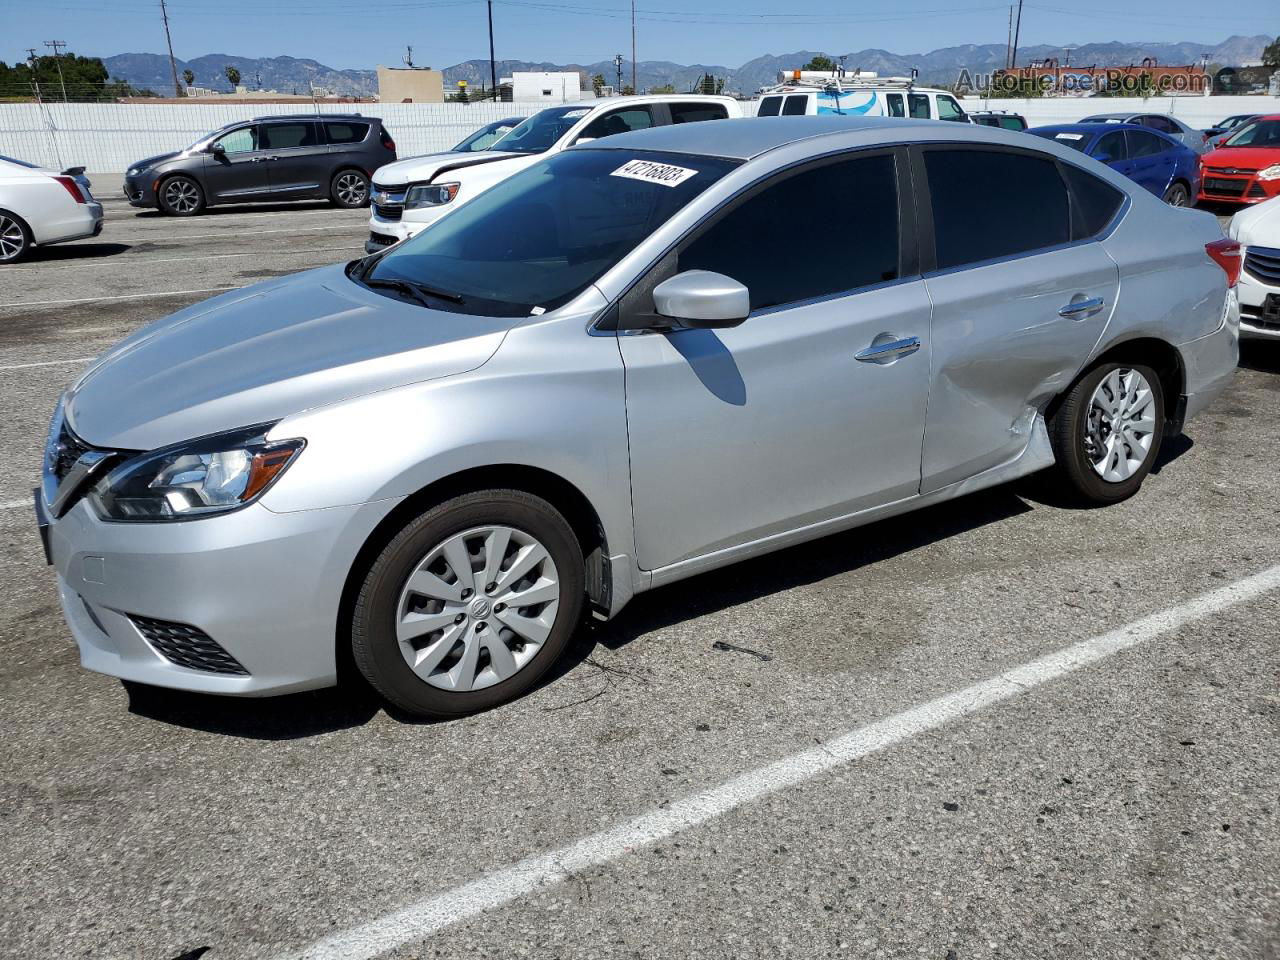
(240, 171)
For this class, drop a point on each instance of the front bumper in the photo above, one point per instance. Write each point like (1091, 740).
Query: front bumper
(263, 587)
(1259, 291)
(384, 230)
(138, 191)
(1244, 187)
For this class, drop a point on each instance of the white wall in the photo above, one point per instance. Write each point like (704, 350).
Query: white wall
(563, 87)
(1198, 112)
(108, 137)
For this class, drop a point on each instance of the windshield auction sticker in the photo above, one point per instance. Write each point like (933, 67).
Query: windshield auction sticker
(665, 174)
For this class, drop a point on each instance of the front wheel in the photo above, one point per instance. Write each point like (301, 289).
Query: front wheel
(350, 189)
(1106, 433)
(470, 604)
(1177, 195)
(181, 197)
(15, 237)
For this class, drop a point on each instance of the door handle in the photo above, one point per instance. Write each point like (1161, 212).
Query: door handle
(887, 348)
(1082, 309)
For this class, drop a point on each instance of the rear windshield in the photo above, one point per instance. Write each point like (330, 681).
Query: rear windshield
(540, 238)
(539, 133)
(1068, 138)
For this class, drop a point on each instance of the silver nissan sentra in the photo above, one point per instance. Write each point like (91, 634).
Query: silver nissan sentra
(643, 358)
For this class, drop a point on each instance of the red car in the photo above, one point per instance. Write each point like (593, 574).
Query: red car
(1246, 167)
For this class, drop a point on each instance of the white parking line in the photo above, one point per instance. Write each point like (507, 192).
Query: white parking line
(126, 296)
(45, 363)
(115, 261)
(14, 504)
(426, 917)
(230, 233)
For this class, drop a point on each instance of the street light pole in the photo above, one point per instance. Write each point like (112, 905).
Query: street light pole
(634, 87)
(493, 67)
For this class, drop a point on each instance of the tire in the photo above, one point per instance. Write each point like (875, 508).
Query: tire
(1177, 195)
(1090, 467)
(15, 238)
(180, 196)
(349, 189)
(409, 607)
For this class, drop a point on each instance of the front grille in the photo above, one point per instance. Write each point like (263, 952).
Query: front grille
(1225, 188)
(187, 646)
(1263, 263)
(386, 212)
(381, 239)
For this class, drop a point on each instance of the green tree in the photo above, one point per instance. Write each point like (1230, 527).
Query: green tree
(1271, 55)
(709, 84)
(233, 75)
(665, 88)
(85, 79)
(820, 62)
(188, 77)
(597, 83)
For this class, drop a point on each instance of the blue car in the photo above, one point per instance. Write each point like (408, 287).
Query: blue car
(1156, 161)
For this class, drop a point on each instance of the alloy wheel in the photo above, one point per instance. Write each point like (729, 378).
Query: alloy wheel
(352, 190)
(12, 239)
(1120, 427)
(181, 196)
(477, 608)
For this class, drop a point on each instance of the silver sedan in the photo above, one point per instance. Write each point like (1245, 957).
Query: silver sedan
(640, 359)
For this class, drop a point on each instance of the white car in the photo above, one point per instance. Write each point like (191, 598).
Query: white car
(809, 94)
(410, 194)
(39, 207)
(1257, 230)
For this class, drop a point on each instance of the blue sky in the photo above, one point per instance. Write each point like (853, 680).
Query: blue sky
(363, 33)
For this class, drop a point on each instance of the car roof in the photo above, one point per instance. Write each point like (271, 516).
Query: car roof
(751, 137)
(642, 98)
(312, 116)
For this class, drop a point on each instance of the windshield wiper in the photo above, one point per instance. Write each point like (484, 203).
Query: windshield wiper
(418, 291)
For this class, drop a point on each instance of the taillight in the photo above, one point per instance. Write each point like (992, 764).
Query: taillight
(73, 188)
(387, 142)
(1226, 254)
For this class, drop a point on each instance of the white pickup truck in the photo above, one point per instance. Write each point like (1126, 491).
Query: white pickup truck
(411, 194)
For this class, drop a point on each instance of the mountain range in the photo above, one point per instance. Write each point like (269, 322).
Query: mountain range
(291, 74)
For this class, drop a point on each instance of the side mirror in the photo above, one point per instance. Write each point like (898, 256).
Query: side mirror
(702, 300)
(217, 149)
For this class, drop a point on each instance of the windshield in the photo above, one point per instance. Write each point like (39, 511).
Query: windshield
(486, 136)
(1260, 133)
(539, 133)
(539, 238)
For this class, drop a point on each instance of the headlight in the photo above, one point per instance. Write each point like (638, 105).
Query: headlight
(134, 171)
(1270, 173)
(430, 195)
(195, 479)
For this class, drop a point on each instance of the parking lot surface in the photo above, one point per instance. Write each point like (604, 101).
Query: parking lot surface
(790, 757)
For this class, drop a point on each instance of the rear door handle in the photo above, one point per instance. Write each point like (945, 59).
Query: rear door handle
(1082, 309)
(887, 348)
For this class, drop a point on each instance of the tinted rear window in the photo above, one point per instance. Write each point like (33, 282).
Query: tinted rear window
(770, 107)
(346, 132)
(969, 227)
(795, 106)
(1095, 203)
(281, 136)
(697, 112)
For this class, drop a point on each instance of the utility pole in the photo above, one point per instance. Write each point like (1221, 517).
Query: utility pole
(1017, 30)
(408, 57)
(173, 64)
(1008, 43)
(55, 44)
(493, 66)
(617, 64)
(634, 87)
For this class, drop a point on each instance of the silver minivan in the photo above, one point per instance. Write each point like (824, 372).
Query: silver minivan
(637, 360)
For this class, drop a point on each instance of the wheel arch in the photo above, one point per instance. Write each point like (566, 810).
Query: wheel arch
(1161, 356)
(23, 224)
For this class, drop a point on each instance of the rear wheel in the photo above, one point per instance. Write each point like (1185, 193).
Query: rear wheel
(350, 189)
(180, 197)
(1107, 432)
(470, 604)
(1177, 195)
(15, 237)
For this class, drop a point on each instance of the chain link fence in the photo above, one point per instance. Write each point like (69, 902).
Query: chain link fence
(109, 137)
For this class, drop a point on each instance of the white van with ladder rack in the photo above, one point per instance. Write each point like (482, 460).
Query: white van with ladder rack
(857, 94)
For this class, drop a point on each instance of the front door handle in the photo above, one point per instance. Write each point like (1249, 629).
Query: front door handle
(887, 348)
(1081, 309)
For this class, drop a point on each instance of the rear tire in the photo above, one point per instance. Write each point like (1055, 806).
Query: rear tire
(180, 196)
(438, 628)
(349, 189)
(15, 237)
(1106, 434)
(1177, 195)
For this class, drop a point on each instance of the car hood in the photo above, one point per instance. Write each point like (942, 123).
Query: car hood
(264, 352)
(1243, 158)
(158, 159)
(425, 169)
(1258, 226)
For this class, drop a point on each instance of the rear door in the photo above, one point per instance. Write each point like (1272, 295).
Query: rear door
(1151, 159)
(622, 120)
(239, 172)
(1112, 149)
(1019, 302)
(298, 160)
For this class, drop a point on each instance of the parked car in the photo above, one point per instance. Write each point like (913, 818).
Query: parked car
(39, 207)
(1159, 122)
(853, 96)
(999, 118)
(304, 157)
(1257, 229)
(1221, 130)
(409, 195)
(595, 378)
(1159, 163)
(1246, 168)
(488, 135)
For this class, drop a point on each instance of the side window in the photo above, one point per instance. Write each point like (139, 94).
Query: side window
(894, 102)
(282, 136)
(796, 106)
(619, 121)
(1094, 203)
(919, 103)
(1163, 124)
(1013, 123)
(697, 112)
(346, 132)
(1112, 147)
(243, 140)
(969, 228)
(856, 198)
(1143, 144)
(948, 109)
(770, 107)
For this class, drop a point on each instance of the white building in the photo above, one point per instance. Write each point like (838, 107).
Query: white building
(544, 87)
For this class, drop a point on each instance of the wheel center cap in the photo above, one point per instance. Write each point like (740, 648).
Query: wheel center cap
(480, 608)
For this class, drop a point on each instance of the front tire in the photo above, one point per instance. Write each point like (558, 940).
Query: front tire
(180, 197)
(1107, 431)
(1177, 195)
(349, 189)
(470, 604)
(15, 237)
